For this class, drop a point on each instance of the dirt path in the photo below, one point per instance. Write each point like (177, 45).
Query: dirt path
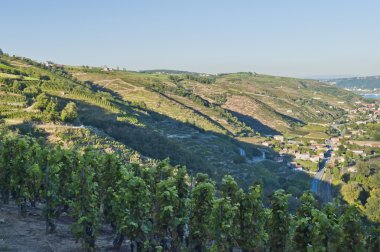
(28, 234)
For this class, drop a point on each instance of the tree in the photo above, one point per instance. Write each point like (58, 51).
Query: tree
(223, 216)
(19, 177)
(252, 220)
(373, 239)
(44, 77)
(85, 203)
(372, 205)
(110, 176)
(182, 208)
(42, 102)
(352, 229)
(201, 209)
(304, 222)
(351, 192)
(167, 197)
(157, 203)
(131, 206)
(279, 221)
(1, 52)
(52, 169)
(230, 190)
(69, 112)
(51, 111)
(327, 232)
(18, 86)
(36, 157)
(7, 155)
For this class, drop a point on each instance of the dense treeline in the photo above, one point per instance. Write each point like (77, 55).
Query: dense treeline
(362, 188)
(201, 79)
(161, 208)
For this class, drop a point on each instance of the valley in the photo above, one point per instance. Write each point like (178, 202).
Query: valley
(189, 126)
(284, 134)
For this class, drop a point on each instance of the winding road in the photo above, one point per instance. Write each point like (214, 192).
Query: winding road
(317, 183)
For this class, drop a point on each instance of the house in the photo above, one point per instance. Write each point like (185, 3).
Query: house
(359, 152)
(265, 144)
(351, 169)
(292, 164)
(299, 168)
(305, 156)
(52, 64)
(335, 140)
(340, 159)
(361, 122)
(107, 69)
(314, 159)
(49, 63)
(279, 138)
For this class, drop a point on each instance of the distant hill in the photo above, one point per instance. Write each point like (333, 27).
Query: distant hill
(369, 82)
(167, 71)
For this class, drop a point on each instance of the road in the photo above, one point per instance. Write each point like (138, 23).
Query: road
(316, 182)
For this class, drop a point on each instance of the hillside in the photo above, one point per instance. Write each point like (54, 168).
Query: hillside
(251, 98)
(85, 149)
(199, 121)
(368, 82)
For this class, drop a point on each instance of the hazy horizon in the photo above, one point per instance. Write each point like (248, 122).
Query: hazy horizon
(298, 38)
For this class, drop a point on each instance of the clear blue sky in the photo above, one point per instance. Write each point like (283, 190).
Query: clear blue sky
(292, 38)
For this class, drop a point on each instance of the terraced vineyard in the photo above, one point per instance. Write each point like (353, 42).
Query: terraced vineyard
(198, 121)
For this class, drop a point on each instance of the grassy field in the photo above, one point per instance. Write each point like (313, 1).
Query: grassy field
(309, 132)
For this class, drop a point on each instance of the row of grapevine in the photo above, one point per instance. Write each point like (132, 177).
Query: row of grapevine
(11, 90)
(93, 99)
(57, 86)
(161, 208)
(13, 114)
(12, 98)
(7, 108)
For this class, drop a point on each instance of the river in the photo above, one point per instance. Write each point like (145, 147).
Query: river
(372, 96)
